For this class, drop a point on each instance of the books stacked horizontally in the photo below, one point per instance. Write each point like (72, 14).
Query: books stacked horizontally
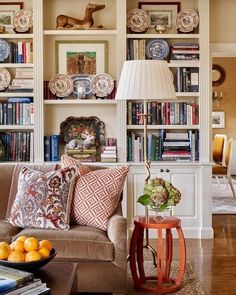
(17, 282)
(184, 51)
(109, 153)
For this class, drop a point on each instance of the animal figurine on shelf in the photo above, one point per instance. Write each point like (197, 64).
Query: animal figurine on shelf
(67, 22)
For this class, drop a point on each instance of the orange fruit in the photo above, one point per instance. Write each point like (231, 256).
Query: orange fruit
(21, 238)
(5, 244)
(45, 244)
(4, 252)
(31, 244)
(19, 246)
(16, 256)
(32, 256)
(44, 252)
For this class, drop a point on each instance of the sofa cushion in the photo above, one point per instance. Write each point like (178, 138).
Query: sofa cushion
(80, 242)
(97, 195)
(15, 177)
(43, 200)
(7, 231)
(67, 161)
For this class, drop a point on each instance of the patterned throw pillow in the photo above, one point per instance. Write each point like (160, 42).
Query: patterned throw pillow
(43, 200)
(67, 161)
(96, 196)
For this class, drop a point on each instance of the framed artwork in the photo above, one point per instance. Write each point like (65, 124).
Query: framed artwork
(81, 57)
(7, 11)
(218, 119)
(161, 13)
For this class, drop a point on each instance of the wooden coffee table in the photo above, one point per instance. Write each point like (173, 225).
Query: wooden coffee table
(60, 277)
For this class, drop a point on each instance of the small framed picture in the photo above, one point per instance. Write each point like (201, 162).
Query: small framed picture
(81, 57)
(161, 13)
(7, 11)
(218, 119)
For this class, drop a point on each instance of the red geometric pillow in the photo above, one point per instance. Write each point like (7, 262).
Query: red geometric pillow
(68, 161)
(43, 200)
(96, 196)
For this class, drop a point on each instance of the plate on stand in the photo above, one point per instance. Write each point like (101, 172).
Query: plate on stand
(157, 49)
(61, 85)
(137, 20)
(187, 20)
(4, 50)
(23, 20)
(5, 78)
(102, 85)
(81, 85)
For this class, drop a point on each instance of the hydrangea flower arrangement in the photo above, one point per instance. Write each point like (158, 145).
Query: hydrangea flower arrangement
(159, 194)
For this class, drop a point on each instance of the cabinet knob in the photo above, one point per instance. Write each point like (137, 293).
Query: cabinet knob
(167, 170)
(161, 170)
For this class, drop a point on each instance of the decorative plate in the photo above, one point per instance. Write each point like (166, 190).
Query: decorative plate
(187, 20)
(5, 78)
(81, 85)
(4, 50)
(157, 49)
(137, 20)
(61, 85)
(23, 20)
(29, 266)
(102, 85)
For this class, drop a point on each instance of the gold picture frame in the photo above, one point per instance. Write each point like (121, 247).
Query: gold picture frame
(81, 57)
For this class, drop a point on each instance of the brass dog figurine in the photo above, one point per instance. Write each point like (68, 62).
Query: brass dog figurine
(67, 22)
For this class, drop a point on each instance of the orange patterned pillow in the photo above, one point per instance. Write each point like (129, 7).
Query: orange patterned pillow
(96, 196)
(67, 161)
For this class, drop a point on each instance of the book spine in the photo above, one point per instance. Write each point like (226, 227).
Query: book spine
(47, 148)
(55, 147)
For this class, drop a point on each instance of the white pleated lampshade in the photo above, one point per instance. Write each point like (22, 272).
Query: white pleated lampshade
(145, 79)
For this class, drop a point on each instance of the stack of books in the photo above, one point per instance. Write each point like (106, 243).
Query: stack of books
(17, 282)
(51, 147)
(20, 84)
(109, 154)
(24, 73)
(184, 51)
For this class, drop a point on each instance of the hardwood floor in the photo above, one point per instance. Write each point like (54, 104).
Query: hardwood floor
(214, 260)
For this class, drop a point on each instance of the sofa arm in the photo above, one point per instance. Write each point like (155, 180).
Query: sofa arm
(117, 233)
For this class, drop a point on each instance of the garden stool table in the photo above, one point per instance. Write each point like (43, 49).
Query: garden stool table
(165, 283)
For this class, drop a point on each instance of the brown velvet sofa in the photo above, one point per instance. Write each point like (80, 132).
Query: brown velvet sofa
(101, 256)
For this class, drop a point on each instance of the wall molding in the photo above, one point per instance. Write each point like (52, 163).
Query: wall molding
(223, 49)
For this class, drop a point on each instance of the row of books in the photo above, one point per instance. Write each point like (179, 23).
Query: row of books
(18, 146)
(21, 52)
(163, 113)
(109, 153)
(17, 111)
(51, 148)
(161, 146)
(48, 95)
(184, 51)
(18, 282)
(187, 80)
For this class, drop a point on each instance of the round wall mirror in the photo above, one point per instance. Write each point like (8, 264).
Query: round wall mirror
(218, 75)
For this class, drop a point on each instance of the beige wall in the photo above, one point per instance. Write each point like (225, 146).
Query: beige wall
(222, 21)
(228, 89)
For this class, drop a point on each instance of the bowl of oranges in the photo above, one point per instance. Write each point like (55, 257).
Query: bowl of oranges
(26, 253)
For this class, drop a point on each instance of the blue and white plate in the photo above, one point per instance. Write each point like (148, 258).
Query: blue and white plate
(4, 50)
(81, 85)
(157, 49)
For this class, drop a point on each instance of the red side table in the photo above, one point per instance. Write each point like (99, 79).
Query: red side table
(165, 284)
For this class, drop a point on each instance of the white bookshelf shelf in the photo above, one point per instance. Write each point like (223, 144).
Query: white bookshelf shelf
(163, 36)
(16, 65)
(78, 102)
(155, 127)
(17, 36)
(79, 32)
(16, 94)
(16, 127)
(184, 64)
(187, 94)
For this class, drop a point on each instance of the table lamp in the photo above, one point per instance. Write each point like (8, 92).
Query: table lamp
(146, 80)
